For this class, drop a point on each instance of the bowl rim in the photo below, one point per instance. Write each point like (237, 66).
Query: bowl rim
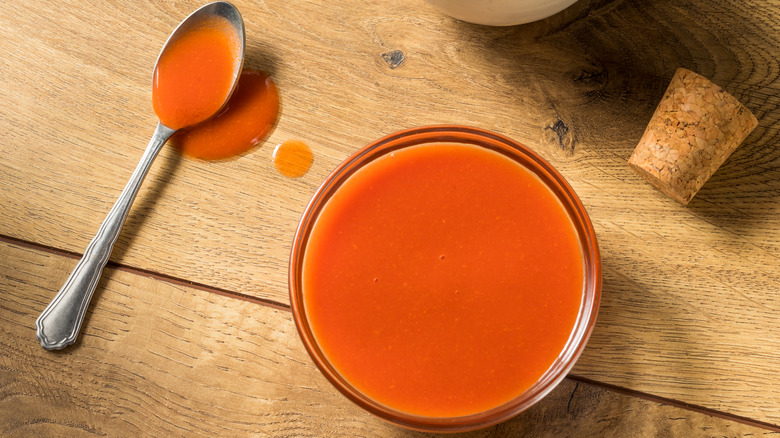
(520, 153)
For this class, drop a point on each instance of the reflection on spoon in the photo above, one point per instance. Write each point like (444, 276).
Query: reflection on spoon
(188, 88)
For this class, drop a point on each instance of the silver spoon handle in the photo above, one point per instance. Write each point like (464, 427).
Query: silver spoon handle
(59, 324)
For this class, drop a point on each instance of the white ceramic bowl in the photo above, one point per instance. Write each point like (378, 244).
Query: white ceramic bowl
(500, 12)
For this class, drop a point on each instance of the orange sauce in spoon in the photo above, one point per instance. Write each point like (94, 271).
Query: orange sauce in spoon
(194, 74)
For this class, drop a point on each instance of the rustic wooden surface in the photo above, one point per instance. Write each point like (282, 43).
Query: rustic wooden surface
(162, 359)
(690, 298)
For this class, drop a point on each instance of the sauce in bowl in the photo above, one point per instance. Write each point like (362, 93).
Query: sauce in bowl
(445, 278)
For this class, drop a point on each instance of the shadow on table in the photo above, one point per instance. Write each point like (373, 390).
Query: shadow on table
(598, 69)
(151, 191)
(259, 57)
(743, 195)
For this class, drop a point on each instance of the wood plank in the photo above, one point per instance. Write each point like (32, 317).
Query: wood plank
(161, 359)
(690, 298)
(76, 116)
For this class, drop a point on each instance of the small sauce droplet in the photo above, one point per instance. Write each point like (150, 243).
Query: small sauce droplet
(246, 119)
(293, 158)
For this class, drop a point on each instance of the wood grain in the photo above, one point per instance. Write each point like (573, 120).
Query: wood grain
(160, 359)
(690, 293)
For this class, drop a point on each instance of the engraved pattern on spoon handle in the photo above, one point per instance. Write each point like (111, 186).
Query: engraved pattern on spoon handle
(59, 324)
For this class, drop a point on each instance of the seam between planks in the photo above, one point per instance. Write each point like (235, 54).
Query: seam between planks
(149, 273)
(676, 403)
(282, 306)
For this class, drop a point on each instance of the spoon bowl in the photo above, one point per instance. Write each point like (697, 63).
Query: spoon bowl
(198, 68)
(58, 325)
(197, 18)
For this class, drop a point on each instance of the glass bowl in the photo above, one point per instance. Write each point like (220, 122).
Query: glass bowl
(585, 236)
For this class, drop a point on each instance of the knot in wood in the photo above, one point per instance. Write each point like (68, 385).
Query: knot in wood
(559, 134)
(394, 59)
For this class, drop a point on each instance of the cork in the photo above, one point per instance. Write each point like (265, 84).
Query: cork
(695, 127)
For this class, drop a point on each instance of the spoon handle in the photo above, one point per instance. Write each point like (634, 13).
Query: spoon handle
(59, 324)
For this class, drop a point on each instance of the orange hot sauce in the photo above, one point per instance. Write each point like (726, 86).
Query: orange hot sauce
(247, 118)
(442, 280)
(195, 74)
(293, 158)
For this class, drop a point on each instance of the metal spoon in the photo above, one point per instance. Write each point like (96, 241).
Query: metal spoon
(59, 324)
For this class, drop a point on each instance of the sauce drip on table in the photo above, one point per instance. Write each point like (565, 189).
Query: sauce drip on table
(194, 74)
(293, 158)
(247, 118)
(442, 280)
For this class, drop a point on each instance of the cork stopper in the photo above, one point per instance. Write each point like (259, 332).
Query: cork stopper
(695, 128)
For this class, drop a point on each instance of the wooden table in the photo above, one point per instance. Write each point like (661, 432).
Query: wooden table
(190, 330)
